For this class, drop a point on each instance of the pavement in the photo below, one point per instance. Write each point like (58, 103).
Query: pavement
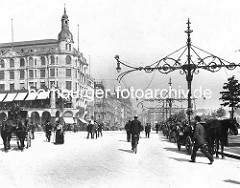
(234, 146)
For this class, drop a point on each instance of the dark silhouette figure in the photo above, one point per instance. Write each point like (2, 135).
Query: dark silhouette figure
(48, 130)
(6, 130)
(200, 141)
(127, 128)
(148, 130)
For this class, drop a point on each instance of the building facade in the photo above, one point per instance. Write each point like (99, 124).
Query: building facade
(52, 69)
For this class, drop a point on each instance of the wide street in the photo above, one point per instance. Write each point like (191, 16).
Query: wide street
(109, 162)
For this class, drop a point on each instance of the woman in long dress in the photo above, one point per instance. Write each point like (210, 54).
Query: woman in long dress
(59, 133)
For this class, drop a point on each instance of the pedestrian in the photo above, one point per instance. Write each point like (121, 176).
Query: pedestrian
(200, 141)
(48, 130)
(157, 127)
(59, 133)
(6, 130)
(95, 129)
(100, 128)
(135, 129)
(89, 129)
(127, 128)
(148, 129)
(32, 128)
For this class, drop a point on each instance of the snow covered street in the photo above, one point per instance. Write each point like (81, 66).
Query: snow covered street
(109, 162)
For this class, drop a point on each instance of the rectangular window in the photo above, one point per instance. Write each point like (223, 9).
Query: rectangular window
(42, 85)
(22, 86)
(2, 87)
(1, 75)
(11, 75)
(69, 85)
(68, 72)
(11, 63)
(22, 74)
(42, 73)
(11, 87)
(52, 83)
(2, 64)
(31, 74)
(52, 72)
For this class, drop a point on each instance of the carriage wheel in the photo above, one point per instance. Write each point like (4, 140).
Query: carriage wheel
(188, 145)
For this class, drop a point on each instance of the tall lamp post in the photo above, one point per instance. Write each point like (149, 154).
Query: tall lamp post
(188, 67)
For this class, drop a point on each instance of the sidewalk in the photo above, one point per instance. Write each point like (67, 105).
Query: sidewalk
(234, 146)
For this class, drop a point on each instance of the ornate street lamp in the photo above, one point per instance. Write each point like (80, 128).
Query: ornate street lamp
(209, 62)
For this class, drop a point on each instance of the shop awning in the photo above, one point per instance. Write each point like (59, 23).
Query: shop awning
(43, 95)
(31, 96)
(83, 120)
(2, 95)
(20, 96)
(10, 97)
(68, 120)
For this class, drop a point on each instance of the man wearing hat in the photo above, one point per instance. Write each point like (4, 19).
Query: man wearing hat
(200, 141)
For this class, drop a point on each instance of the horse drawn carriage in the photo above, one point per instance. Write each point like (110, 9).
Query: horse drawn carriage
(16, 127)
(216, 134)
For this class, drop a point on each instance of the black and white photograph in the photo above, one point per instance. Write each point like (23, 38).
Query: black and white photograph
(119, 93)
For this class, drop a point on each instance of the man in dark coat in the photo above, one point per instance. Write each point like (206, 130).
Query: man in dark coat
(127, 128)
(200, 141)
(48, 130)
(89, 129)
(100, 128)
(135, 129)
(6, 130)
(148, 130)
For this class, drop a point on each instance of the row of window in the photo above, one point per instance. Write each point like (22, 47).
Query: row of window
(33, 74)
(34, 85)
(33, 61)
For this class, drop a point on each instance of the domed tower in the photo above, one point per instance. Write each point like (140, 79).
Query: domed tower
(65, 37)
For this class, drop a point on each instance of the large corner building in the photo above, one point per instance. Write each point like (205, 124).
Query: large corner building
(44, 64)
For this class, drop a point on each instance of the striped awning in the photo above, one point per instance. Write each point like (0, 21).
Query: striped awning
(68, 120)
(20, 96)
(83, 120)
(10, 97)
(2, 95)
(31, 96)
(43, 95)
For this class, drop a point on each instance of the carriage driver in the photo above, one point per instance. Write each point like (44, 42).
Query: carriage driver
(200, 142)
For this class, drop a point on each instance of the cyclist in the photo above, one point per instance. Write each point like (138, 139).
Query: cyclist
(135, 129)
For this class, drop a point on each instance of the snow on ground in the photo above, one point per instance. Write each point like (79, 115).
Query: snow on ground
(109, 162)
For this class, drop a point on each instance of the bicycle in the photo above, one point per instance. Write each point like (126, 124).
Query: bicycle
(135, 142)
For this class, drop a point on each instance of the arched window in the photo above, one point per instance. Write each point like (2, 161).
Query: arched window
(52, 60)
(22, 62)
(70, 47)
(2, 65)
(43, 60)
(68, 60)
(11, 62)
(30, 61)
(66, 46)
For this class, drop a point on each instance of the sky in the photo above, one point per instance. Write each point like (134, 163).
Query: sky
(141, 32)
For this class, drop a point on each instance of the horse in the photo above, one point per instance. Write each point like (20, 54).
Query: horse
(21, 133)
(217, 131)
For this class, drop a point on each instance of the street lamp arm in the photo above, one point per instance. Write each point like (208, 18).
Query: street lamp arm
(120, 76)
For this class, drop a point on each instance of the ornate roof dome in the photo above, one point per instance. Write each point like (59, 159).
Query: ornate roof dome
(65, 34)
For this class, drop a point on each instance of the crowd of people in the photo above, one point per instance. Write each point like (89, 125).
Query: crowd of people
(94, 129)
